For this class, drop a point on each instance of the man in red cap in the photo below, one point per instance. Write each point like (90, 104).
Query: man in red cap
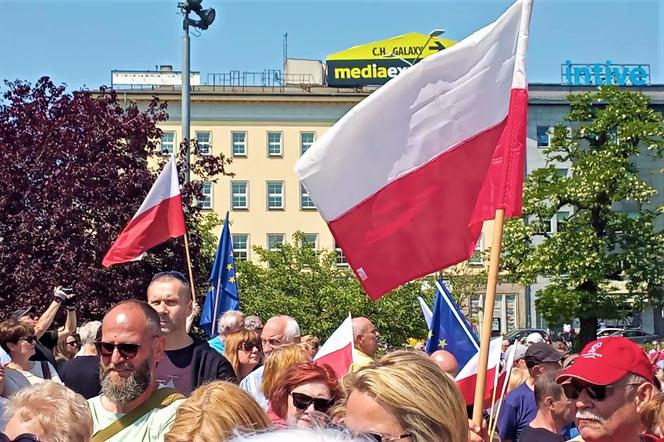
(610, 381)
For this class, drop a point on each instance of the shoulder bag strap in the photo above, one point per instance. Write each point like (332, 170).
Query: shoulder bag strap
(45, 370)
(159, 399)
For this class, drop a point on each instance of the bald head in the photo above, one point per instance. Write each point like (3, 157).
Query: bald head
(134, 315)
(446, 362)
(365, 336)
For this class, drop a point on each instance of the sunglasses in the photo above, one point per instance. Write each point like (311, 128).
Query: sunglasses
(380, 438)
(249, 346)
(29, 339)
(25, 437)
(73, 343)
(302, 402)
(127, 351)
(174, 273)
(596, 392)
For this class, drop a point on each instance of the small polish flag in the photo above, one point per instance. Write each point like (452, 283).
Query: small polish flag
(337, 352)
(160, 217)
(467, 377)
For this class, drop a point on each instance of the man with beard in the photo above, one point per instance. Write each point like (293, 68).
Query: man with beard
(132, 405)
(610, 381)
(188, 361)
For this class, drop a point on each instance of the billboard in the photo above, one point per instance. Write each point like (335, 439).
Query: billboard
(377, 62)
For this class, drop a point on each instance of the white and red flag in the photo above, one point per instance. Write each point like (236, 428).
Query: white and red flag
(405, 179)
(337, 352)
(159, 218)
(467, 377)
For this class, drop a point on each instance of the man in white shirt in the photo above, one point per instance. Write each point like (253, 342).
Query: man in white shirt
(278, 331)
(130, 347)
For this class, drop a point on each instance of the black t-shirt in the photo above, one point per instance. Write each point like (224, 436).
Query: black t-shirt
(175, 370)
(44, 348)
(530, 434)
(81, 374)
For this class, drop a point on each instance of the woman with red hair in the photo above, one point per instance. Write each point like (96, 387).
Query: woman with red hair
(303, 396)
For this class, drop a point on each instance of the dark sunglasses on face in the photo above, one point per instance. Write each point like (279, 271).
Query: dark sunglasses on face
(74, 343)
(302, 402)
(380, 438)
(249, 346)
(174, 273)
(596, 392)
(25, 437)
(126, 350)
(29, 340)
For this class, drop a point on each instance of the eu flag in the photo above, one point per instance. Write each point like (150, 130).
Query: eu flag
(450, 330)
(223, 293)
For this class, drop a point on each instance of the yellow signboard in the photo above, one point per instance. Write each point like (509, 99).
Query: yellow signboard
(409, 46)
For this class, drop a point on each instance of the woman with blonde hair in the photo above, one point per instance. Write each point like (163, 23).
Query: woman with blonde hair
(404, 395)
(49, 412)
(244, 351)
(277, 362)
(216, 412)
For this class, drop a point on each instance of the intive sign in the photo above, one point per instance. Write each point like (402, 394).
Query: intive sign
(598, 74)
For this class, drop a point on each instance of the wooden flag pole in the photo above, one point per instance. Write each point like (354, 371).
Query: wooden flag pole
(191, 272)
(487, 321)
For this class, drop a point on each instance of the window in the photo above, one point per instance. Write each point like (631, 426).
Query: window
(306, 140)
(341, 258)
(206, 202)
(240, 246)
(203, 140)
(275, 241)
(310, 240)
(239, 195)
(543, 135)
(477, 258)
(275, 195)
(561, 219)
(274, 144)
(167, 143)
(239, 144)
(306, 202)
(562, 173)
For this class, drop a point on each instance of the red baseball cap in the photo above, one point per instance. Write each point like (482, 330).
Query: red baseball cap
(607, 360)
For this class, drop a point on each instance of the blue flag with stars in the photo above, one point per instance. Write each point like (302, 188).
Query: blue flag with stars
(450, 330)
(223, 293)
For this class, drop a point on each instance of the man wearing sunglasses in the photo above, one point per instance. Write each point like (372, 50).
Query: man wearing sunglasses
(188, 361)
(610, 381)
(130, 347)
(48, 339)
(519, 407)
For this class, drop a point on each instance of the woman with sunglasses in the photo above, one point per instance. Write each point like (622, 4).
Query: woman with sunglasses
(243, 350)
(67, 349)
(18, 340)
(303, 396)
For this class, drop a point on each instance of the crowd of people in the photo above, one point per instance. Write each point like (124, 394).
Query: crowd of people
(140, 374)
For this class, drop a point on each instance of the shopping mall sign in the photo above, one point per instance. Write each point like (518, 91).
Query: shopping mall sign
(377, 62)
(598, 74)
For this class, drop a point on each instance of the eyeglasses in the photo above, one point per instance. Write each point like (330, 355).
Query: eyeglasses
(302, 402)
(249, 346)
(380, 438)
(596, 392)
(25, 437)
(29, 339)
(174, 273)
(274, 342)
(126, 350)
(74, 343)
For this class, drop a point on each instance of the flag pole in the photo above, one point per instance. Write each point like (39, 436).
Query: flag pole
(487, 321)
(191, 272)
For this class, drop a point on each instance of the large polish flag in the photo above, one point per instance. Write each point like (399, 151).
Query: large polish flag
(160, 217)
(467, 377)
(337, 352)
(405, 179)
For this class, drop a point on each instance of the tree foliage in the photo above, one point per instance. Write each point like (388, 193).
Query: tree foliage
(74, 169)
(597, 246)
(307, 284)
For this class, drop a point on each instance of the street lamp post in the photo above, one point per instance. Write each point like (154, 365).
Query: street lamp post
(206, 17)
(432, 34)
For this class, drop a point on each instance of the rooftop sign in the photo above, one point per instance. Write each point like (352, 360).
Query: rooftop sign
(598, 74)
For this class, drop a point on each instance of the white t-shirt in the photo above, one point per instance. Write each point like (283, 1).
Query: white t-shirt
(151, 427)
(17, 379)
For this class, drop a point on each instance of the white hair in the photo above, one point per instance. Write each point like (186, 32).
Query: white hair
(299, 435)
(230, 321)
(292, 332)
(88, 332)
(634, 381)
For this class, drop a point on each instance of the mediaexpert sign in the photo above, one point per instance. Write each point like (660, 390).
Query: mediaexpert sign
(598, 74)
(377, 62)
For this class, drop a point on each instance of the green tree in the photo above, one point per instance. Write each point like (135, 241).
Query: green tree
(307, 284)
(596, 245)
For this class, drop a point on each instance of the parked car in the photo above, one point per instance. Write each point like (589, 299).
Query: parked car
(636, 335)
(607, 331)
(521, 333)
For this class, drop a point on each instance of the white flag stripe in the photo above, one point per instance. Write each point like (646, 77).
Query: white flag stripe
(166, 186)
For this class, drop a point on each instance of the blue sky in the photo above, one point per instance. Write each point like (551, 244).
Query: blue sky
(80, 42)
